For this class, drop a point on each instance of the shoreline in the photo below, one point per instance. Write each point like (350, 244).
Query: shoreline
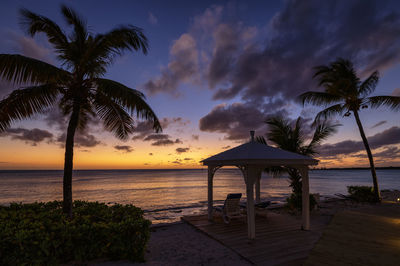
(182, 244)
(190, 169)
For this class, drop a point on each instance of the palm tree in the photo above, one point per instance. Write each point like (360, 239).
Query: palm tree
(348, 94)
(78, 86)
(292, 138)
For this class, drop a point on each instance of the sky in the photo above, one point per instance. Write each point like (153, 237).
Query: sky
(215, 70)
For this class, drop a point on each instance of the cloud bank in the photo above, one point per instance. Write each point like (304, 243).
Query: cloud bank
(268, 67)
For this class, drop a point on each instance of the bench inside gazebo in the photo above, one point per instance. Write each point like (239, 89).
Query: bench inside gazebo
(252, 158)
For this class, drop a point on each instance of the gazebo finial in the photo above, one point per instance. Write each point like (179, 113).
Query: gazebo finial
(252, 135)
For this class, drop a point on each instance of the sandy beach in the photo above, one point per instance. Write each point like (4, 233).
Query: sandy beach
(181, 244)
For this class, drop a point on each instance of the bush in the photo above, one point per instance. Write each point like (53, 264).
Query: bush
(295, 201)
(361, 193)
(40, 234)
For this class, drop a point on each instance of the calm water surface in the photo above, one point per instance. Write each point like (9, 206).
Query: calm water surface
(166, 195)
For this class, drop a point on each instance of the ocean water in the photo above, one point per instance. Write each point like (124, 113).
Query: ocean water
(166, 195)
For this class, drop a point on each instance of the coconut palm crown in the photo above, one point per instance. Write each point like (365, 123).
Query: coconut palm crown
(77, 87)
(345, 94)
(292, 137)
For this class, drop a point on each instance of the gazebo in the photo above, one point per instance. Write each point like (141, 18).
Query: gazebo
(252, 158)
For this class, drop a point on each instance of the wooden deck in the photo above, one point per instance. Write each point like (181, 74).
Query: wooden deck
(279, 239)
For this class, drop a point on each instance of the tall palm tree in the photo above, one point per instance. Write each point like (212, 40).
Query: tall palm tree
(292, 138)
(348, 94)
(78, 86)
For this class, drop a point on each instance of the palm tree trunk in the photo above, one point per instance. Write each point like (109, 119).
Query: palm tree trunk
(371, 159)
(68, 162)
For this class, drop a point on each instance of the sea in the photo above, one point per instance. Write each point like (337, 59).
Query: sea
(167, 195)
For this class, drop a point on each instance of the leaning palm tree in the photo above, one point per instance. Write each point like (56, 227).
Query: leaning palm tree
(77, 86)
(293, 138)
(348, 94)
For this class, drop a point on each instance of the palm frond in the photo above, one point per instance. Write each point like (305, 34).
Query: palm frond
(319, 98)
(321, 133)
(393, 102)
(122, 38)
(261, 139)
(297, 133)
(128, 98)
(80, 32)
(114, 117)
(24, 103)
(280, 133)
(368, 85)
(21, 69)
(339, 78)
(333, 110)
(35, 23)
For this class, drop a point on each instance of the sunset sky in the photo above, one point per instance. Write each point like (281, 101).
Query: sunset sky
(215, 71)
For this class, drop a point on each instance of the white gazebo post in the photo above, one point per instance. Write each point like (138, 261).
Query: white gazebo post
(258, 185)
(251, 158)
(251, 177)
(210, 192)
(305, 210)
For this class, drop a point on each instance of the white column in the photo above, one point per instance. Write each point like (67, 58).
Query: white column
(250, 180)
(210, 192)
(305, 199)
(258, 192)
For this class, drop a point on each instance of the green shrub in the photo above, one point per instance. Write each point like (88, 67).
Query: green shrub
(295, 201)
(361, 193)
(40, 234)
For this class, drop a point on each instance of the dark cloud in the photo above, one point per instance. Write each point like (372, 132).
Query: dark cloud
(145, 128)
(82, 139)
(182, 67)
(380, 123)
(396, 92)
(166, 142)
(182, 150)
(188, 159)
(156, 137)
(162, 140)
(304, 35)
(151, 154)
(226, 147)
(389, 152)
(195, 137)
(142, 129)
(387, 137)
(124, 148)
(32, 136)
(274, 63)
(29, 47)
(236, 120)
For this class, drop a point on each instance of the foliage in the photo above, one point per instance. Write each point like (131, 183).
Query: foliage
(77, 85)
(295, 201)
(345, 94)
(344, 89)
(292, 138)
(39, 233)
(361, 193)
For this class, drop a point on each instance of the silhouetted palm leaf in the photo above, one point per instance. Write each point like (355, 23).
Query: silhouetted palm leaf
(389, 101)
(77, 87)
(368, 85)
(24, 103)
(342, 86)
(21, 69)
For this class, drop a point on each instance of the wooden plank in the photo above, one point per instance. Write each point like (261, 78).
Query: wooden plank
(279, 239)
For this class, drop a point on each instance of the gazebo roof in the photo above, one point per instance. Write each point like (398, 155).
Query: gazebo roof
(257, 153)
